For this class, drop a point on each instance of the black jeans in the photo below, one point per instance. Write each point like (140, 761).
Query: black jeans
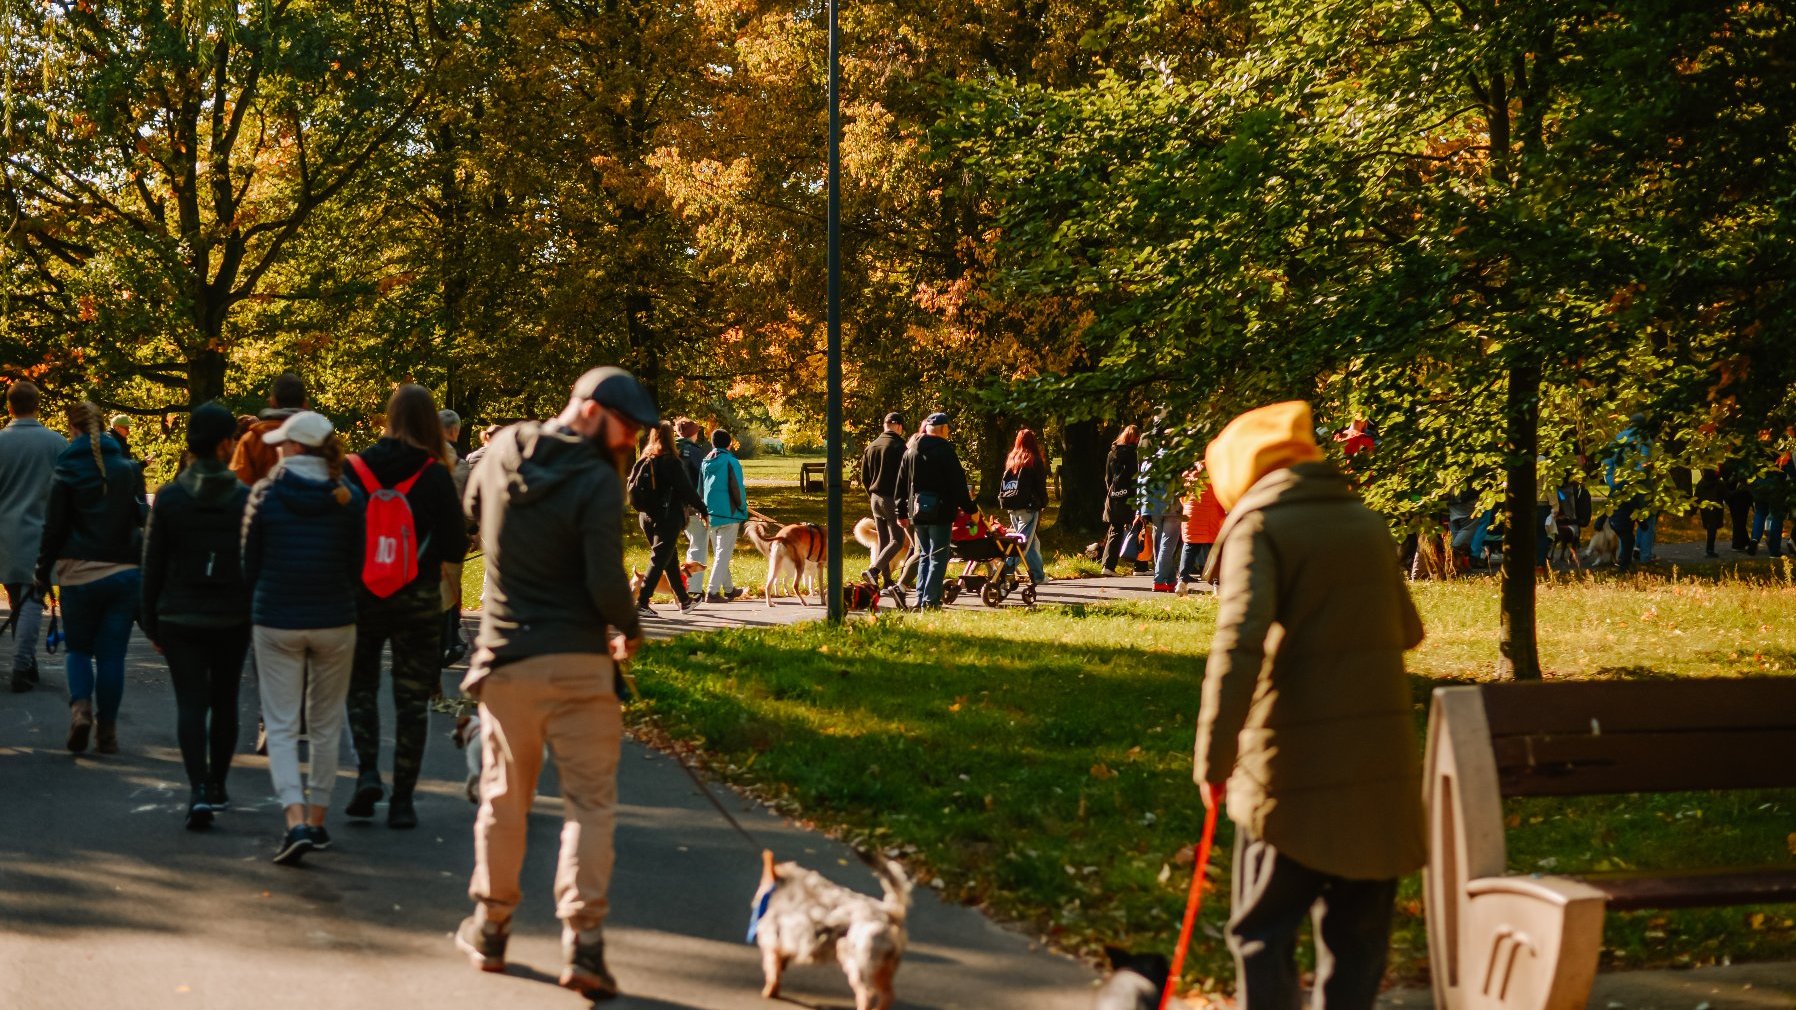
(1739, 513)
(1114, 535)
(206, 665)
(1351, 919)
(664, 558)
(891, 535)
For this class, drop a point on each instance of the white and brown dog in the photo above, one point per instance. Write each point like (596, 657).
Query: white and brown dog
(1604, 546)
(688, 569)
(802, 917)
(800, 550)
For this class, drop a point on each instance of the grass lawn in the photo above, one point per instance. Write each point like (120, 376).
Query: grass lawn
(1038, 763)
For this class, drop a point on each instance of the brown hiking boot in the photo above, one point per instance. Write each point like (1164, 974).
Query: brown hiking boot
(106, 739)
(585, 971)
(81, 723)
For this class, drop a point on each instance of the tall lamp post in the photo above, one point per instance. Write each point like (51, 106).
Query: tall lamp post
(834, 422)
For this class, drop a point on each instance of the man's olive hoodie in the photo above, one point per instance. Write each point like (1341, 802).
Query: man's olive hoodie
(550, 507)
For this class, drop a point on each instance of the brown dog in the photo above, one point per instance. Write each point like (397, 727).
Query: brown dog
(800, 548)
(687, 569)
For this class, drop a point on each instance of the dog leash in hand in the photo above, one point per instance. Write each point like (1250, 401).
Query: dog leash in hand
(629, 679)
(1192, 904)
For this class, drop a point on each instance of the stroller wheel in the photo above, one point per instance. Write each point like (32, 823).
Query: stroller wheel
(951, 592)
(1028, 596)
(992, 595)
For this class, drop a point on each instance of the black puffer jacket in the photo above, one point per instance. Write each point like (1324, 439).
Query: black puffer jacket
(436, 508)
(90, 519)
(302, 547)
(192, 569)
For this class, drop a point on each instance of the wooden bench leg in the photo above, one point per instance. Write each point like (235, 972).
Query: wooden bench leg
(1530, 943)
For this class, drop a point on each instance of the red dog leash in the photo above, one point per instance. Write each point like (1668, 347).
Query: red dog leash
(1193, 903)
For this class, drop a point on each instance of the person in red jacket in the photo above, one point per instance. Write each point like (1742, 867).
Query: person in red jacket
(1203, 520)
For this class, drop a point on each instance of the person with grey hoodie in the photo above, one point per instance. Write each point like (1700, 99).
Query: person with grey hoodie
(557, 620)
(28, 452)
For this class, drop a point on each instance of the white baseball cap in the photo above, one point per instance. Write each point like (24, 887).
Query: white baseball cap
(308, 428)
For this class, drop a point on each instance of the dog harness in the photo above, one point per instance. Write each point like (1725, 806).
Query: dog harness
(762, 900)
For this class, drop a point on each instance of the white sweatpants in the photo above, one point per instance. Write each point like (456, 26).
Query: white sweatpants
(303, 678)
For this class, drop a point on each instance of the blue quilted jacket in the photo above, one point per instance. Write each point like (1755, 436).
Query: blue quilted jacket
(302, 548)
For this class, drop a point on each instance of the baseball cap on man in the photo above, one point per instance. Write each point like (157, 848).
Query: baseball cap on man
(120, 421)
(936, 420)
(618, 390)
(308, 428)
(209, 425)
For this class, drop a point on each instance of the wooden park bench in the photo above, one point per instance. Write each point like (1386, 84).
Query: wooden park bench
(818, 472)
(1530, 942)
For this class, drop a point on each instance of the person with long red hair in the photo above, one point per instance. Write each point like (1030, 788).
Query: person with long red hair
(1024, 491)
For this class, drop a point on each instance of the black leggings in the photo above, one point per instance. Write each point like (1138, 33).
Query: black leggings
(1115, 533)
(664, 558)
(206, 665)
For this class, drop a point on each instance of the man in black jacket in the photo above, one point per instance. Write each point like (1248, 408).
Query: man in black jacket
(932, 490)
(692, 457)
(557, 619)
(879, 475)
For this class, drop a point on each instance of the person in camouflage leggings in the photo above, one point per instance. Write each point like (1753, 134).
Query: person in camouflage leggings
(409, 620)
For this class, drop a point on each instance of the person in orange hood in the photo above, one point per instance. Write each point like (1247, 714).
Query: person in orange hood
(1305, 722)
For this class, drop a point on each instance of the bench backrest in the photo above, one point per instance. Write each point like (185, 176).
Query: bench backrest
(1579, 739)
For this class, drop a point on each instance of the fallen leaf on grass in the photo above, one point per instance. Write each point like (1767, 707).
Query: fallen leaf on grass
(1102, 771)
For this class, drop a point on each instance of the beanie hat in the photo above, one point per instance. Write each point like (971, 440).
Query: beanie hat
(721, 439)
(1257, 443)
(209, 425)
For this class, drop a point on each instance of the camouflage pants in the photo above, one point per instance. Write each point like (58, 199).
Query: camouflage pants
(412, 621)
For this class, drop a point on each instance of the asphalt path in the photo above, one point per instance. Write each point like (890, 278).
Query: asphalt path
(106, 901)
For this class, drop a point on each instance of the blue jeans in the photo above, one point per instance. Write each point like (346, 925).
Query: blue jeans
(1169, 531)
(1191, 562)
(932, 550)
(97, 618)
(1765, 520)
(1480, 527)
(1028, 524)
(1644, 536)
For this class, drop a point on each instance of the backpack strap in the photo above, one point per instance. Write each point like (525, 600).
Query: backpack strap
(405, 486)
(362, 471)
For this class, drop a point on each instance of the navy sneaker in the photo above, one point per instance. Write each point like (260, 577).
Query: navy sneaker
(321, 839)
(401, 814)
(217, 798)
(199, 812)
(294, 845)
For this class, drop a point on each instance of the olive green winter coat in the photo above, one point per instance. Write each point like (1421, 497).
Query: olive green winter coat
(1306, 708)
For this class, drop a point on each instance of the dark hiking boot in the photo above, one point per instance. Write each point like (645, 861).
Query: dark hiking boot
(734, 594)
(106, 737)
(368, 792)
(585, 972)
(401, 814)
(81, 724)
(484, 944)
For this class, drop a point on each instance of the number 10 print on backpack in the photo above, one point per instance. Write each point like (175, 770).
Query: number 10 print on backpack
(390, 557)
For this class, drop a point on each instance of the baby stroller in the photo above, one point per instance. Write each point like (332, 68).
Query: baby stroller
(986, 549)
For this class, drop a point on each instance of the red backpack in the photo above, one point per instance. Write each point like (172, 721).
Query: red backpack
(390, 557)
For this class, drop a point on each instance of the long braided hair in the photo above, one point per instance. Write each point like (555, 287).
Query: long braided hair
(85, 418)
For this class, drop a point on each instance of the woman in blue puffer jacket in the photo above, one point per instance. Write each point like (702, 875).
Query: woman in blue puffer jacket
(302, 558)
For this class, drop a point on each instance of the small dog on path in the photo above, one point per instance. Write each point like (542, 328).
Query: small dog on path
(1135, 982)
(1604, 547)
(688, 569)
(802, 917)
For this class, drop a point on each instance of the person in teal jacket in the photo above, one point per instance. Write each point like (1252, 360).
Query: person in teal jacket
(726, 501)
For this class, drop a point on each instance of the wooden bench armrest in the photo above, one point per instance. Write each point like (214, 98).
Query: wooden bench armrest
(1553, 890)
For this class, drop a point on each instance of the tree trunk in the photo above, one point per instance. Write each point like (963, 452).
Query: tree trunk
(1081, 477)
(992, 451)
(206, 376)
(1519, 654)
